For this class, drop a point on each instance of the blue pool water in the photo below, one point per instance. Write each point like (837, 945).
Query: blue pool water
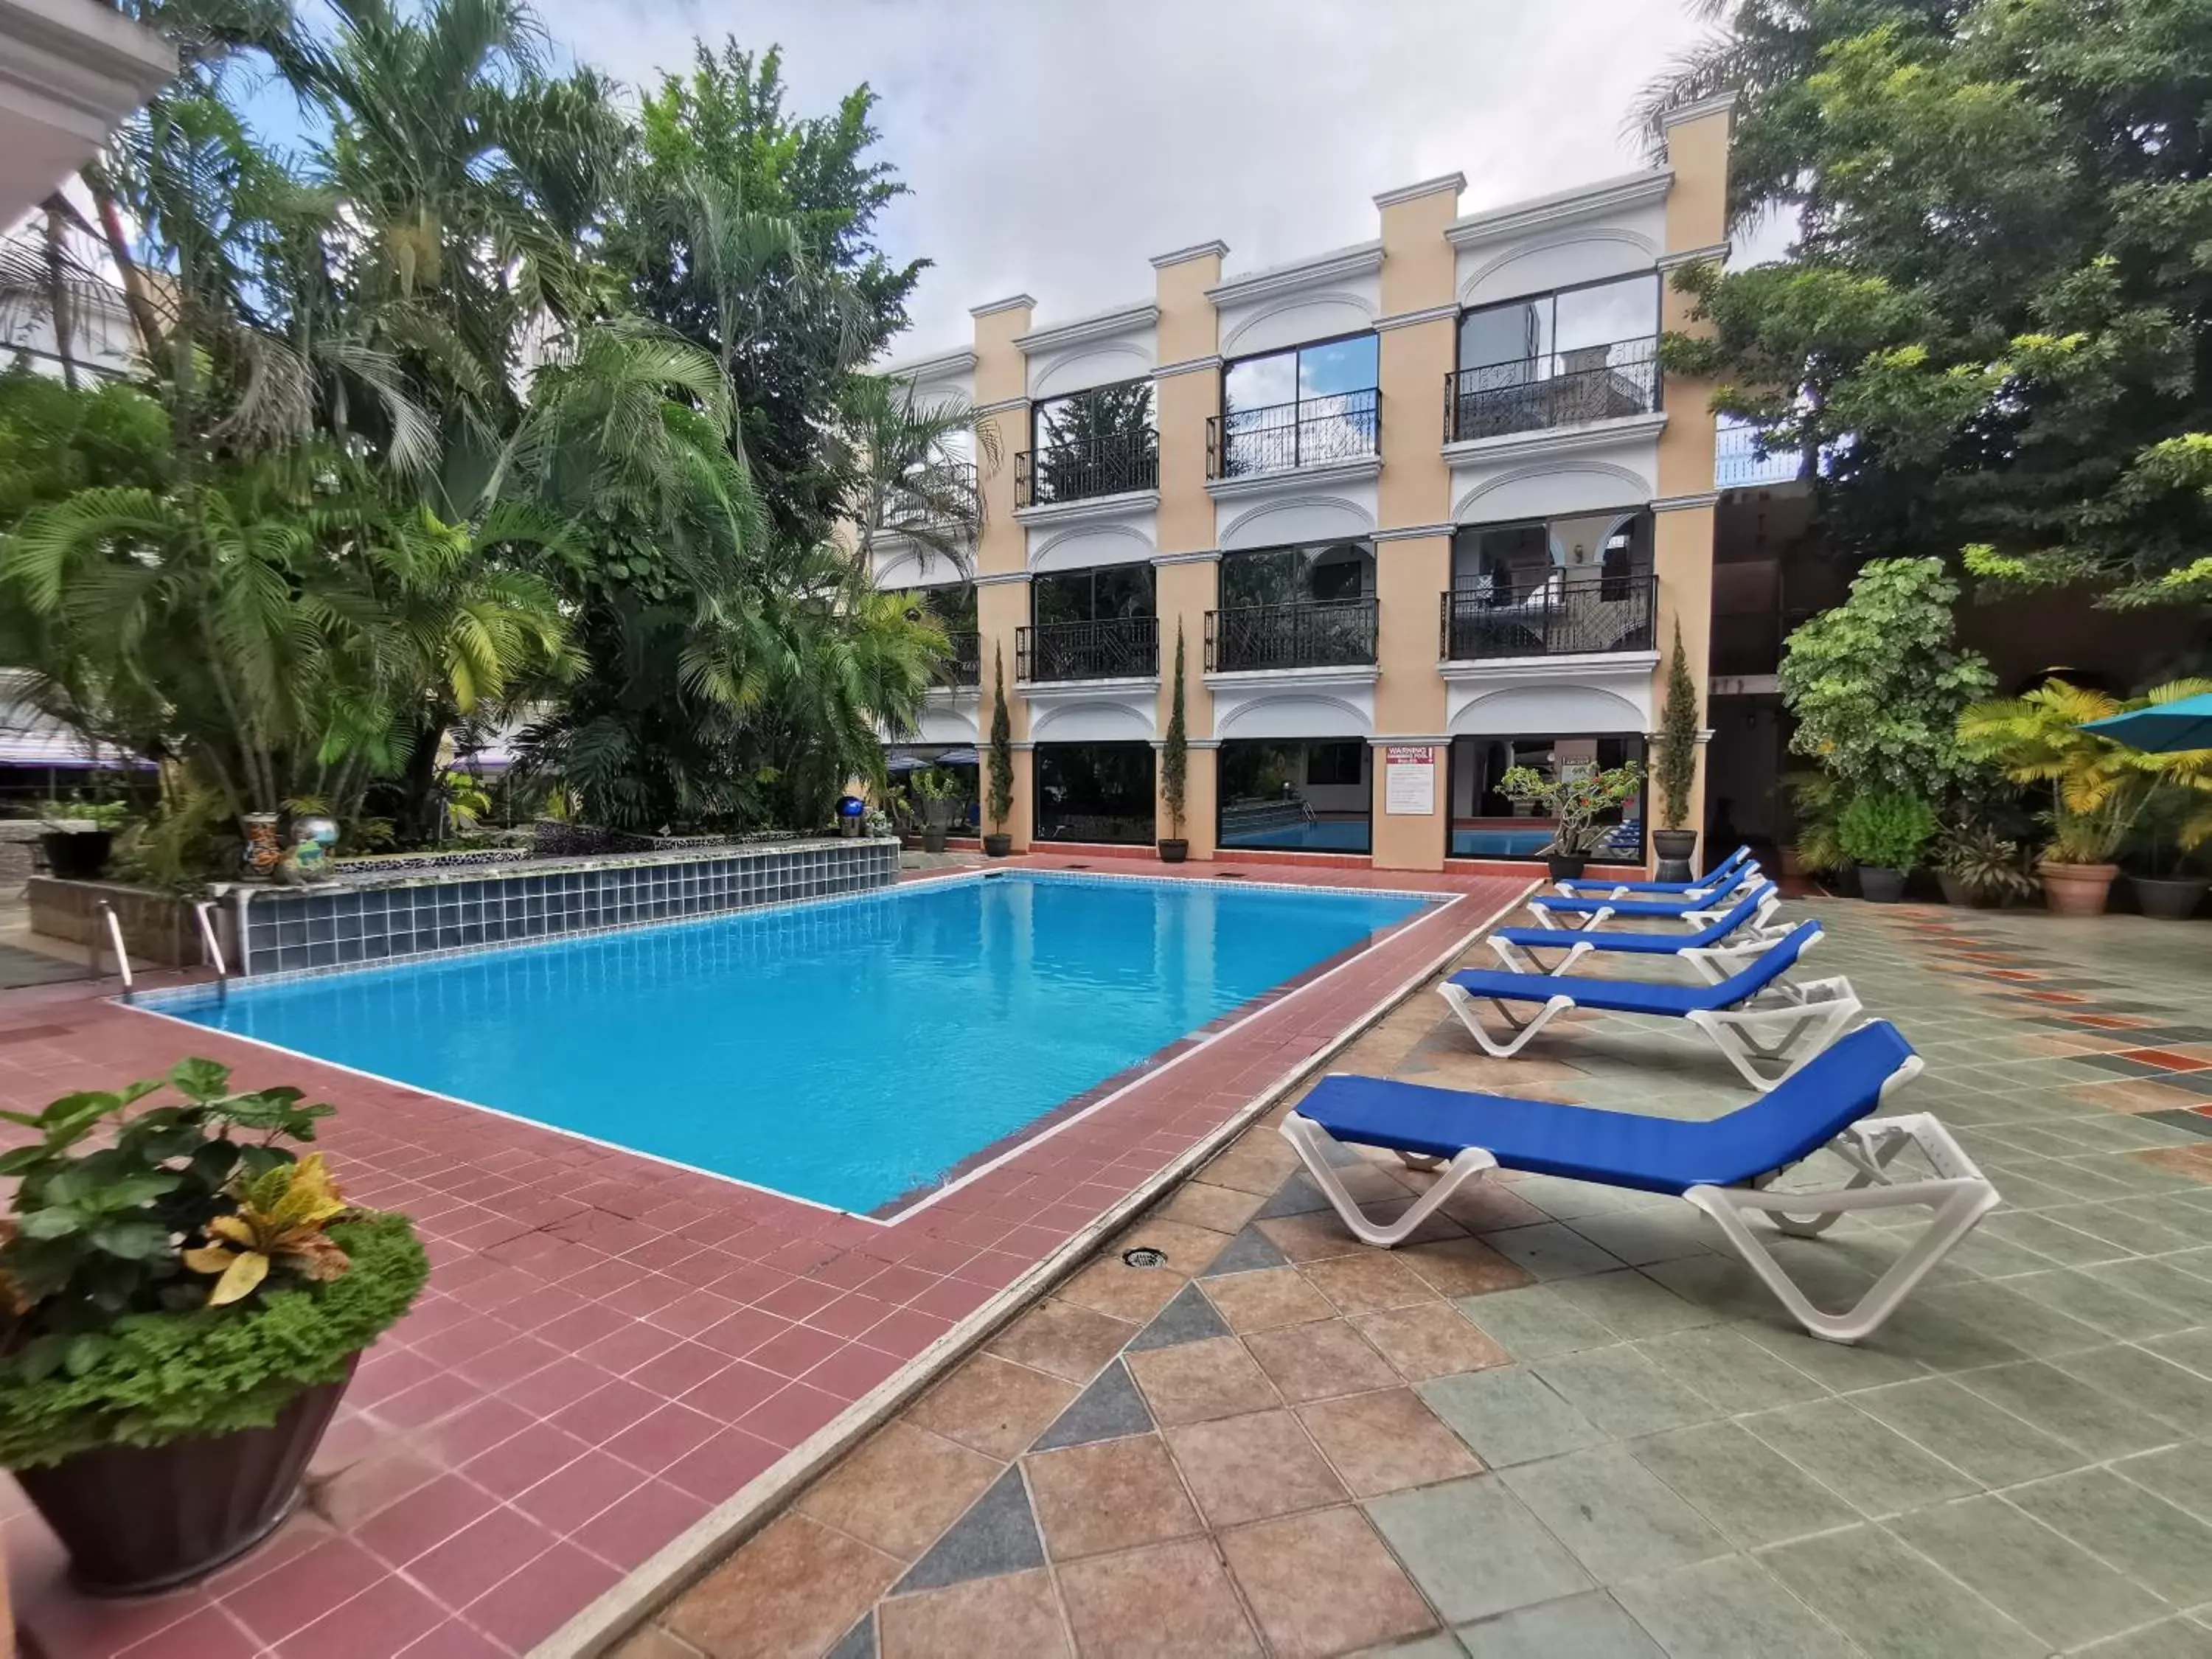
(846, 1051)
(1499, 843)
(1318, 835)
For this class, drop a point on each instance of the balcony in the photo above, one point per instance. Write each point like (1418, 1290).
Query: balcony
(1281, 437)
(964, 663)
(1565, 616)
(1741, 461)
(1111, 648)
(1321, 633)
(1559, 389)
(1112, 464)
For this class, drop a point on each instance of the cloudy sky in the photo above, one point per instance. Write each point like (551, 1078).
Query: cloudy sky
(1053, 145)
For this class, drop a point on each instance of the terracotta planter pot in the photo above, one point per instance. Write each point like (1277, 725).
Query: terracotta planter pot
(141, 1518)
(1174, 851)
(2170, 898)
(997, 847)
(2077, 890)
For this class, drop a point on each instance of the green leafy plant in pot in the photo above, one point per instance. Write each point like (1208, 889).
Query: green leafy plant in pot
(1674, 768)
(1575, 802)
(77, 837)
(1175, 766)
(1978, 868)
(185, 1297)
(1001, 765)
(936, 788)
(1884, 832)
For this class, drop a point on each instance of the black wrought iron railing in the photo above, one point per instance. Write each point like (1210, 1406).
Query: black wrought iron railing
(1320, 634)
(1112, 464)
(1561, 616)
(964, 663)
(1344, 426)
(1113, 647)
(1561, 388)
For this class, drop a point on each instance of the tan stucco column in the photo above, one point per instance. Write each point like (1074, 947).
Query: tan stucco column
(1418, 328)
(1002, 595)
(1186, 394)
(1696, 139)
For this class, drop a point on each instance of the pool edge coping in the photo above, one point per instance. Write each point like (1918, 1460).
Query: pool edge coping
(618, 1610)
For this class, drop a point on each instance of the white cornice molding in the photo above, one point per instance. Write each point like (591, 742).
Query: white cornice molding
(1129, 319)
(1350, 675)
(1047, 690)
(1212, 556)
(1557, 439)
(1012, 302)
(1419, 740)
(1407, 533)
(1090, 507)
(1702, 107)
(998, 576)
(1190, 742)
(1361, 260)
(1453, 182)
(1409, 319)
(1685, 503)
(1195, 250)
(1357, 469)
(1187, 366)
(982, 411)
(1713, 254)
(80, 69)
(1621, 194)
(961, 361)
(1574, 668)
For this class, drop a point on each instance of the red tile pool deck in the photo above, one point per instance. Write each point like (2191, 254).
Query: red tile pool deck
(612, 1351)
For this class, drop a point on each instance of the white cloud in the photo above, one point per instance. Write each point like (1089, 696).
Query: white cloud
(1053, 145)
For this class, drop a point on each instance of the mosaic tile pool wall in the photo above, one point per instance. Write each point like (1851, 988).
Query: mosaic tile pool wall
(345, 926)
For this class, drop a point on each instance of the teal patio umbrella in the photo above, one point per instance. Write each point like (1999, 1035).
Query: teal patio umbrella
(2163, 728)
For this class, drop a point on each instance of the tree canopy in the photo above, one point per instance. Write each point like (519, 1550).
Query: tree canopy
(1995, 324)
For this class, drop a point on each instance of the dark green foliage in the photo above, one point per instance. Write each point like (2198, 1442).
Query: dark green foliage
(1175, 750)
(1885, 830)
(1992, 319)
(1675, 767)
(1002, 745)
(161, 1377)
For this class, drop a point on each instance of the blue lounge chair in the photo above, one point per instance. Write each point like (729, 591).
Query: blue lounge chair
(1730, 875)
(1767, 1026)
(1723, 1166)
(1563, 911)
(1716, 949)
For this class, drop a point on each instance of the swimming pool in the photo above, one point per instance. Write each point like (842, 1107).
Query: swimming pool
(1313, 836)
(848, 1052)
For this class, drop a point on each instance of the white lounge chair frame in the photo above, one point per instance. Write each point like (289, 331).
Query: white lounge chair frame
(1750, 939)
(1783, 1027)
(1958, 1193)
(1727, 886)
(1710, 909)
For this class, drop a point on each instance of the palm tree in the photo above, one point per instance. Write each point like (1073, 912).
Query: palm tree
(908, 481)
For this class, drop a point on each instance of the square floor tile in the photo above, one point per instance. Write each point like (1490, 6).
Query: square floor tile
(2145, 1537)
(1730, 1607)
(1893, 1603)
(1855, 1456)
(2149, 1380)
(1195, 1381)
(1967, 1431)
(1620, 1390)
(2065, 1405)
(1260, 1301)
(1170, 1601)
(1619, 1519)
(1742, 1486)
(1063, 1340)
(1323, 1583)
(900, 1489)
(1591, 1626)
(1510, 1415)
(1476, 1548)
(1252, 1468)
(1114, 1495)
(1632, 1304)
(1385, 1441)
(2056, 1588)
(1312, 1362)
(1016, 1613)
(1726, 1367)
(1551, 1249)
(993, 1405)
(1369, 1283)
(1536, 1322)
(1433, 1338)
(2180, 1474)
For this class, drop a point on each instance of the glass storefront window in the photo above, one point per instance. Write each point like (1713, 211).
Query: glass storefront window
(1095, 791)
(1311, 796)
(1485, 824)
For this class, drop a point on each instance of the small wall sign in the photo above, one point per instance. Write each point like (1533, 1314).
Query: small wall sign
(1409, 779)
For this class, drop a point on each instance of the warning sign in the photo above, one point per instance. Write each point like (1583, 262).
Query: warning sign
(1409, 779)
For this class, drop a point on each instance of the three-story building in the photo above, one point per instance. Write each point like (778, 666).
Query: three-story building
(1418, 510)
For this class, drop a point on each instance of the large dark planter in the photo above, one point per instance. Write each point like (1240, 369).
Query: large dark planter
(997, 847)
(1674, 848)
(1880, 886)
(933, 837)
(1564, 867)
(1967, 898)
(77, 855)
(1174, 851)
(141, 1518)
(2170, 898)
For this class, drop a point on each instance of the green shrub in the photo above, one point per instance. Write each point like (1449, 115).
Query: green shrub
(163, 1376)
(1885, 830)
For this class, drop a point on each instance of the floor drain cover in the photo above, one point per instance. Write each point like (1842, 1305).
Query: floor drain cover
(1145, 1256)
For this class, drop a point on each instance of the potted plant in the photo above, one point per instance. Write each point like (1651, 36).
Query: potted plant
(936, 789)
(1175, 765)
(1883, 832)
(1000, 842)
(1574, 801)
(2175, 824)
(1674, 769)
(78, 838)
(1978, 868)
(185, 1298)
(2098, 787)
(1815, 800)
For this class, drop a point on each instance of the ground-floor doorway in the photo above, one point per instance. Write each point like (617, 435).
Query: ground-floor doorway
(1094, 791)
(1301, 795)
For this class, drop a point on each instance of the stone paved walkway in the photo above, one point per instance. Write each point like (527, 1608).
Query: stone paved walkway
(1563, 1423)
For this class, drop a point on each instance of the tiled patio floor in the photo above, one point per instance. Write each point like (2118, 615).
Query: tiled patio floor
(1563, 1425)
(610, 1348)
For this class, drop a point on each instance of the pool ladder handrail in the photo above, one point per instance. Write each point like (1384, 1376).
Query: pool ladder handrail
(114, 930)
(203, 914)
